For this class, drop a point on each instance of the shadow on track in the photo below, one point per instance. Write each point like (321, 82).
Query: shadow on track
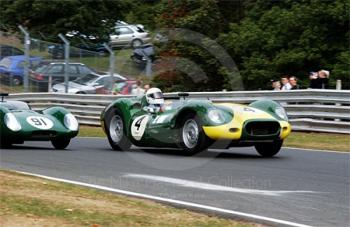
(224, 154)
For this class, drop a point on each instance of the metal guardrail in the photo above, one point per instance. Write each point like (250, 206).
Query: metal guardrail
(308, 110)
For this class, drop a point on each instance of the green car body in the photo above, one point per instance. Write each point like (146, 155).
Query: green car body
(195, 125)
(19, 123)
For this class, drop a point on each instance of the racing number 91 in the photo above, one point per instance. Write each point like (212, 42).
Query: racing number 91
(38, 121)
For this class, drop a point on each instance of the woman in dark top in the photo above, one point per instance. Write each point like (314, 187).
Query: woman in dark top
(319, 80)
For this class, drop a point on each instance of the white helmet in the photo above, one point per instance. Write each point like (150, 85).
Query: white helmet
(154, 96)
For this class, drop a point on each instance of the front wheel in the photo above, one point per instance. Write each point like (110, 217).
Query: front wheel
(269, 149)
(115, 132)
(192, 137)
(136, 43)
(60, 143)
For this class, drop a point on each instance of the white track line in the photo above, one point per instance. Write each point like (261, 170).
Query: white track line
(172, 201)
(211, 187)
(318, 150)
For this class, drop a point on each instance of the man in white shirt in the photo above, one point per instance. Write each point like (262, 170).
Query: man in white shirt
(285, 83)
(137, 90)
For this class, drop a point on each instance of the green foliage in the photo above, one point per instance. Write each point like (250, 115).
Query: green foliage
(290, 37)
(266, 39)
(194, 67)
(52, 17)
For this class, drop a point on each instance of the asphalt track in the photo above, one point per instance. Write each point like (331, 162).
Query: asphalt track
(303, 187)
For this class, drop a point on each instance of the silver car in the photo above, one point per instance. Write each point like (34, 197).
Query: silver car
(129, 35)
(88, 84)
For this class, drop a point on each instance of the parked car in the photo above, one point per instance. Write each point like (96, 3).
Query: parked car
(142, 53)
(129, 35)
(54, 71)
(12, 68)
(6, 50)
(195, 125)
(80, 50)
(20, 123)
(87, 84)
(81, 46)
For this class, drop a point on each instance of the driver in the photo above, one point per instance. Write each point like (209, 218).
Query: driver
(155, 100)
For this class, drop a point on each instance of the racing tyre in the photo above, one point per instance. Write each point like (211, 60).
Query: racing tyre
(115, 129)
(60, 143)
(269, 149)
(192, 137)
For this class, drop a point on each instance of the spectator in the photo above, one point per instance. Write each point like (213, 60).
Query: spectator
(319, 80)
(285, 83)
(137, 90)
(276, 85)
(294, 83)
(146, 87)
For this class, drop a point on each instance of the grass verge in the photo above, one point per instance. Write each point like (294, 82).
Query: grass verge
(321, 141)
(32, 201)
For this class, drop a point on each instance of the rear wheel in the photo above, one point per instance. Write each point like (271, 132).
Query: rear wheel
(269, 149)
(60, 143)
(192, 137)
(115, 129)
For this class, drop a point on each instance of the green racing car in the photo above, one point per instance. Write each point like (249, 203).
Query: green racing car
(18, 123)
(194, 125)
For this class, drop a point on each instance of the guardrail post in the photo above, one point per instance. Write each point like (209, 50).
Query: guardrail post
(111, 63)
(26, 54)
(338, 87)
(66, 61)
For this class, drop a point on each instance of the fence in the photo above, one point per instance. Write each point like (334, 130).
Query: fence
(308, 110)
(90, 54)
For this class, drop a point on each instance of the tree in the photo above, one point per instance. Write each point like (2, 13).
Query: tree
(191, 54)
(90, 17)
(290, 37)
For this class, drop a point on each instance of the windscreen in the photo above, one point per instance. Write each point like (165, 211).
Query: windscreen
(5, 62)
(15, 105)
(41, 68)
(85, 79)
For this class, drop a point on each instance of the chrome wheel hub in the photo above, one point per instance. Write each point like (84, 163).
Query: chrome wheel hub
(116, 129)
(190, 133)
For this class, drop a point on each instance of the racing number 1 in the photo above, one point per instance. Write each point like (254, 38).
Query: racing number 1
(38, 121)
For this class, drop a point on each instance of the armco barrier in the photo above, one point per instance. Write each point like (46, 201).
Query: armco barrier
(308, 110)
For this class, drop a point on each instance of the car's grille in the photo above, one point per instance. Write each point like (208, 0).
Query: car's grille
(43, 133)
(262, 128)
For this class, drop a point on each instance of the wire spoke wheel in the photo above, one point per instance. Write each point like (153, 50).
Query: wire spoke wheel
(190, 133)
(116, 129)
